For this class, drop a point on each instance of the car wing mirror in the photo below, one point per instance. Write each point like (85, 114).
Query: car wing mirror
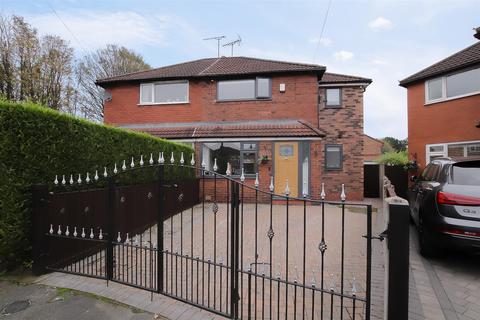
(413, 178)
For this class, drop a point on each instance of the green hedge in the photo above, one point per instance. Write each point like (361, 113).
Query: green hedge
(394, 158)
(37, 143)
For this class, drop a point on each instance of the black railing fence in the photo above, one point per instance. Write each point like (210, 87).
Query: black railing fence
(215, 242)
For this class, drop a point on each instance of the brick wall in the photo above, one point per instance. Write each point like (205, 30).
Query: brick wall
(372, 148)
(297, 102)
(343, 126)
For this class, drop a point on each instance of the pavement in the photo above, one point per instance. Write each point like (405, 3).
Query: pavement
(35, 301)
(443, 288)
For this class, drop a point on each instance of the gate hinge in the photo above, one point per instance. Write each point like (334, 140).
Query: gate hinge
(380, 237)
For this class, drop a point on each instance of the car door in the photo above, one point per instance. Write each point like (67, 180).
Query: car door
(413, 194)
(427, 189)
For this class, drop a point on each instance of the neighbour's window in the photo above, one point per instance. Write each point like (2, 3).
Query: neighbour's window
(333, 157)
(164, 92)
(435, 151)
(246, 89)
(238, 154)
(459, 150)
(333, 98)
(435, 89)
(454, 85)
(463, 83)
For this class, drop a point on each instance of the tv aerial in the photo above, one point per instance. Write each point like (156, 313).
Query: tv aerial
(218, 39)
(233, 43)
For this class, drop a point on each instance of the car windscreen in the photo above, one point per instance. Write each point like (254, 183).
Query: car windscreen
(466, 173)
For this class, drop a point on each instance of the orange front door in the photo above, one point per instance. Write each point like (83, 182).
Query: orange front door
(286, 167)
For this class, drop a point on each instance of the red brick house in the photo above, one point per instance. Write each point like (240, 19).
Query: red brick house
(444, 108)
(287, 120)
(372, 149)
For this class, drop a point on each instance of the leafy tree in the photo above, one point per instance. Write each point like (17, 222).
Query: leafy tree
(33, 68)
(394, 144)
(106, 62)
(6, 57)
(56, 70)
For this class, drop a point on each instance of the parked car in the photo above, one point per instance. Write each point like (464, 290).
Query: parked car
(445, 205)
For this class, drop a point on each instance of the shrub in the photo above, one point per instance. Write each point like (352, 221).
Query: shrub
(394, 158)
(36, 144)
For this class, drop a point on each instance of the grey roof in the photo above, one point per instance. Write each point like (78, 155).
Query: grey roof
(333, 78)
(217, 67)
(467, 57)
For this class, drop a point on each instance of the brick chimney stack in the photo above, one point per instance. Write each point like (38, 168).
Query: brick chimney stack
(477, 33)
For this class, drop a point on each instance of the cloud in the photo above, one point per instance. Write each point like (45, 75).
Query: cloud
(380, 23)
(92, 30)
(380, 62)
(343, 55)
(326, 42)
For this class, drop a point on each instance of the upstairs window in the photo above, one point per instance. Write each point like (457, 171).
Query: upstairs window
(463, 83)
(453, 86)
(435, 89)
(164, 92)
(333, 98)
(245, 89)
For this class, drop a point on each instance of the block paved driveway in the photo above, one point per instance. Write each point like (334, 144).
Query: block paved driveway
(443, 288)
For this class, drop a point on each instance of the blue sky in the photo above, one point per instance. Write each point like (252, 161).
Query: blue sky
(383, 40)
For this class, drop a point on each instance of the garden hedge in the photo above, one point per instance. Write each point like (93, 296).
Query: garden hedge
(37, 143)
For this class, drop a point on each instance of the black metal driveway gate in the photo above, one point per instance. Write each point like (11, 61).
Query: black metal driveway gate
(212, 241)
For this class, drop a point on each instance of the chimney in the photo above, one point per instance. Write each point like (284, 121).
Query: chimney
(477, 33)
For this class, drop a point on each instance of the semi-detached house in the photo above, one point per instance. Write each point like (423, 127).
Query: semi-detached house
(288, 120)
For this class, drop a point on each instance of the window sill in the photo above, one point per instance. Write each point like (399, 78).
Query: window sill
(333, 169)
(244, 100)
(333, 107)
(161, 103)
(427, 103)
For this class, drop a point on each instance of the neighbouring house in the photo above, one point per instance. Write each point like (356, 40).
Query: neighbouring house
(289, 121)
(372, 149)
(444, 108)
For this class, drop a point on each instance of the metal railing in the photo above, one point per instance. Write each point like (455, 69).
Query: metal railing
(241, 251)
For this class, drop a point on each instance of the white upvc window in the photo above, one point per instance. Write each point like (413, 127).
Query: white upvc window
(453, 86)
(244, 89)
(165, 92)
(461, 149)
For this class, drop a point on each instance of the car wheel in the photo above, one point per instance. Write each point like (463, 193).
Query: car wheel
(428, 248)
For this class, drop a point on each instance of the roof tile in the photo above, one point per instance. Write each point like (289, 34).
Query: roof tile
(333, 78)
(247, 129)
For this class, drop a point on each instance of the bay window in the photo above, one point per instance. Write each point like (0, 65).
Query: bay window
(238, 154)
